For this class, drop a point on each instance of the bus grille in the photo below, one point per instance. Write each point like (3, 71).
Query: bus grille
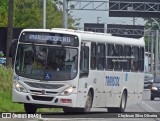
(47, 92)
(42, 98)
(44, 86)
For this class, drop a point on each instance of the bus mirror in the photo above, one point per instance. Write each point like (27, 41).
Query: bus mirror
(13, 48)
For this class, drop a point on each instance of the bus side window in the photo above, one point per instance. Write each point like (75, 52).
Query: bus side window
(141, 59)
(117, 60)
(127, 55)
(100, 56)
(134, 59)
(109, 56)
(93, 56)
(84, 61)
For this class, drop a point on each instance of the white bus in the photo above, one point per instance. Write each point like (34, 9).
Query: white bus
(77, 70)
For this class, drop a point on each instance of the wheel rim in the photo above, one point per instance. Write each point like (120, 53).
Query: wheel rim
(123, 103)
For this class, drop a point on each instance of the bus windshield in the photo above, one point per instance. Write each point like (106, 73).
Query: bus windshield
(51, 63)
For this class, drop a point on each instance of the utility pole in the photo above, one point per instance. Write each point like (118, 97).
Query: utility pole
(44, 14)
(151, 61)
(156, 54)
(134, 21)
(9, 32)
(65, 14)
(98, 20)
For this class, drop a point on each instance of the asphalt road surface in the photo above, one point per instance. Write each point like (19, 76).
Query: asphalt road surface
(147, 110)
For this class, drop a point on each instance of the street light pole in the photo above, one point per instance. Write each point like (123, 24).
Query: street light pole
(151, 61)
(44, 14)
(65, 14)
(98, 20)
(156, 48)
(156, 54)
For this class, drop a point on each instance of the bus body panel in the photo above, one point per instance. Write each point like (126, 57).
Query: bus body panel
(21, 98)
(107, 85)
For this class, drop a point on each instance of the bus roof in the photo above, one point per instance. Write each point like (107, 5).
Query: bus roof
(94, 37)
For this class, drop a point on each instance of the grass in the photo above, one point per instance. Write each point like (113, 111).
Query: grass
(6, 75)
(6, 104)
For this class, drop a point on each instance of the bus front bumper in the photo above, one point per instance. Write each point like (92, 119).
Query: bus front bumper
(62, 101)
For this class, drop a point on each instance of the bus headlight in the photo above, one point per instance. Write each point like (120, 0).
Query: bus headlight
(154, 88)
(19, 87)
(67, 91)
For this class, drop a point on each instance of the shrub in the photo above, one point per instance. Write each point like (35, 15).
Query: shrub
(6, 76)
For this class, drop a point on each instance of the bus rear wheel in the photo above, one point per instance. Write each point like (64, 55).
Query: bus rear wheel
(122, 107)
(30, 108)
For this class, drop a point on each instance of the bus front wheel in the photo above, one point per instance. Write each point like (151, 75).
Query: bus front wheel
(86, 109)
(30, 108)
(88, 104)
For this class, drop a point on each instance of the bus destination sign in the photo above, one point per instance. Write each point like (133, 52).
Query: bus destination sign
(49, 38)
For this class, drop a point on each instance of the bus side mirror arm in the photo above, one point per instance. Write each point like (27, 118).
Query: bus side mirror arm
(13, 47)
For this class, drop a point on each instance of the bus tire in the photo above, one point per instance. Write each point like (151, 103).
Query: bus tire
(30, 108)
(152, 97)
(122, 107)
(86, 109)
(123, 102)
(88, 104)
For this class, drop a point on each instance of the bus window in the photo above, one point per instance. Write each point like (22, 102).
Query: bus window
(100, 56)
(37, 61)
(134, 59)
(93, 55)
(127, 56)
(84, 61)
(109, 55)
(141, 59)
(117, 57)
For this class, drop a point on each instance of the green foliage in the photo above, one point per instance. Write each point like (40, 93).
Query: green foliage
(1, 54)
(29, 14)
(6, 75)
(151, 24)
(6, 104)
(3, 13)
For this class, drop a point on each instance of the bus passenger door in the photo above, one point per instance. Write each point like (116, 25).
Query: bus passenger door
(83, 80)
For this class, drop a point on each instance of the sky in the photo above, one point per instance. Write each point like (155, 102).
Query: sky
(103, 17)
(89, 16)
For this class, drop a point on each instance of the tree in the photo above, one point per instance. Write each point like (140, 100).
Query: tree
(150, 26)
(29, 14)
(9, 31)
(150, 23)
(3, 13)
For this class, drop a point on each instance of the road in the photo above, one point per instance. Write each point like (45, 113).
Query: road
(148, 107)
